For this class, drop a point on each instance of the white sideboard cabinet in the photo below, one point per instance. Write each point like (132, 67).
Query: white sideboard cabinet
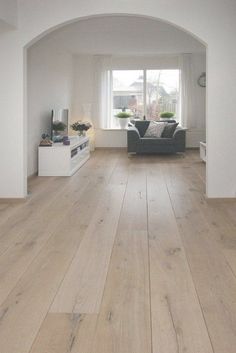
(61, 160)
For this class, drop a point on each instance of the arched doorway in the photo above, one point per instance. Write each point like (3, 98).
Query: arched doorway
(36, 19)
(73, 28)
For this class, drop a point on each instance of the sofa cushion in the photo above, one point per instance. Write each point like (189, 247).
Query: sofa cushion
(156, 141)
(142, 126)
(155, 129)
(169, 121)
(169, 130)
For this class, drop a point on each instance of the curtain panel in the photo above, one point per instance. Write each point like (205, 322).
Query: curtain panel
(186, 91)
(102, 91)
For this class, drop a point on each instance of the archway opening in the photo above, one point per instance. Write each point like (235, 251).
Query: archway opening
(61, 66)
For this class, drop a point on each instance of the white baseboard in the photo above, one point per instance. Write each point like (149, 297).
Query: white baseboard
(194, 136)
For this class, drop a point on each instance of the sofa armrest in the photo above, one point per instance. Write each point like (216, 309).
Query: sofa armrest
(179, 133)
(180, 138)
(133, 138)
(133, 133)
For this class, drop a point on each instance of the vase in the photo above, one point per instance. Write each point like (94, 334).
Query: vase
(123, 122)
(81, 133)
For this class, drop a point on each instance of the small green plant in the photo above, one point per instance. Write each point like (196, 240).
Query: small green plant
(58, 126)
(123, 115)
(167, 115)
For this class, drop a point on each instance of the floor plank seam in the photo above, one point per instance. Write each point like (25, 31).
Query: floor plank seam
(49, 307)
(37, 254)
(101, 191)
(149, 264)
(37, 215)
(114, 242)
(102, 298)
(211, 231)
(58, 285)
(189, 267)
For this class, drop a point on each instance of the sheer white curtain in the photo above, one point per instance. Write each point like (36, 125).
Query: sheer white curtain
(186, 91)
(102, 91)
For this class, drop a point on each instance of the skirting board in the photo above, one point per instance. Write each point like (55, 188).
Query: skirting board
(194, 136)
(13, 200)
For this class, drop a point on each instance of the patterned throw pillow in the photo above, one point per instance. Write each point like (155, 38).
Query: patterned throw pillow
(169, 130)
(155, 129)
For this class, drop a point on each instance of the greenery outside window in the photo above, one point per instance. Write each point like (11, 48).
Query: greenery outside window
(145, 93)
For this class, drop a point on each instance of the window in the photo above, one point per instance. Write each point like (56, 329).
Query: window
(162, 93)
(145, 93)
(128, 92)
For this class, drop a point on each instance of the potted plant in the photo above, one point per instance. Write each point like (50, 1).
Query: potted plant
(58, 126)
(58, 130)
(123, 119)
(81, 127)
(166, 115)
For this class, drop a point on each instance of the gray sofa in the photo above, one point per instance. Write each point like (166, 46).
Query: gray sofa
(137, 143)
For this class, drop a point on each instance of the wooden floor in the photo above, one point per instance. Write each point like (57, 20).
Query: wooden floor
(126, 256)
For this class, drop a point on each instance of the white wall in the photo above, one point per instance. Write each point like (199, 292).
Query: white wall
(83, 93)
(110, 138)
(8, 12)
(198, 132)
(83, 85)
(13, 182)
(50, 80)
(213, 21)
(105, 35)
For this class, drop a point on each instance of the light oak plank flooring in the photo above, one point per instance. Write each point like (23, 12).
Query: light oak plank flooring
(62, 333)
(126, 256)
(124, 323)
(214, 281)
(172, 287)
(82, 288)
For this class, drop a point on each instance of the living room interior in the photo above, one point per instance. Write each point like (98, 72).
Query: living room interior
(109, 243)
(80, 49)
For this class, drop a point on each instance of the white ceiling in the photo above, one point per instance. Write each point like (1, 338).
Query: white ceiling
(123, 35)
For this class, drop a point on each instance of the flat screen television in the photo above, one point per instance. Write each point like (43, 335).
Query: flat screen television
(59, 124)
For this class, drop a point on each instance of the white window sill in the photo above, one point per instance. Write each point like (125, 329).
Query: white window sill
(113, 129)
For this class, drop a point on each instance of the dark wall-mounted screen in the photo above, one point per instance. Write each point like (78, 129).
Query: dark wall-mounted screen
(60, 121)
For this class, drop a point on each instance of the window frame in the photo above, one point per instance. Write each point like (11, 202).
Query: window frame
(144, 70)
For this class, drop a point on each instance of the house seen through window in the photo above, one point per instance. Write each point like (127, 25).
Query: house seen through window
(146, 92)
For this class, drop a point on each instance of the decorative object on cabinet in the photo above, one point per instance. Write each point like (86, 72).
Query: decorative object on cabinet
(45, 142)
(66, 140)
(81, 127)
(59, 124)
